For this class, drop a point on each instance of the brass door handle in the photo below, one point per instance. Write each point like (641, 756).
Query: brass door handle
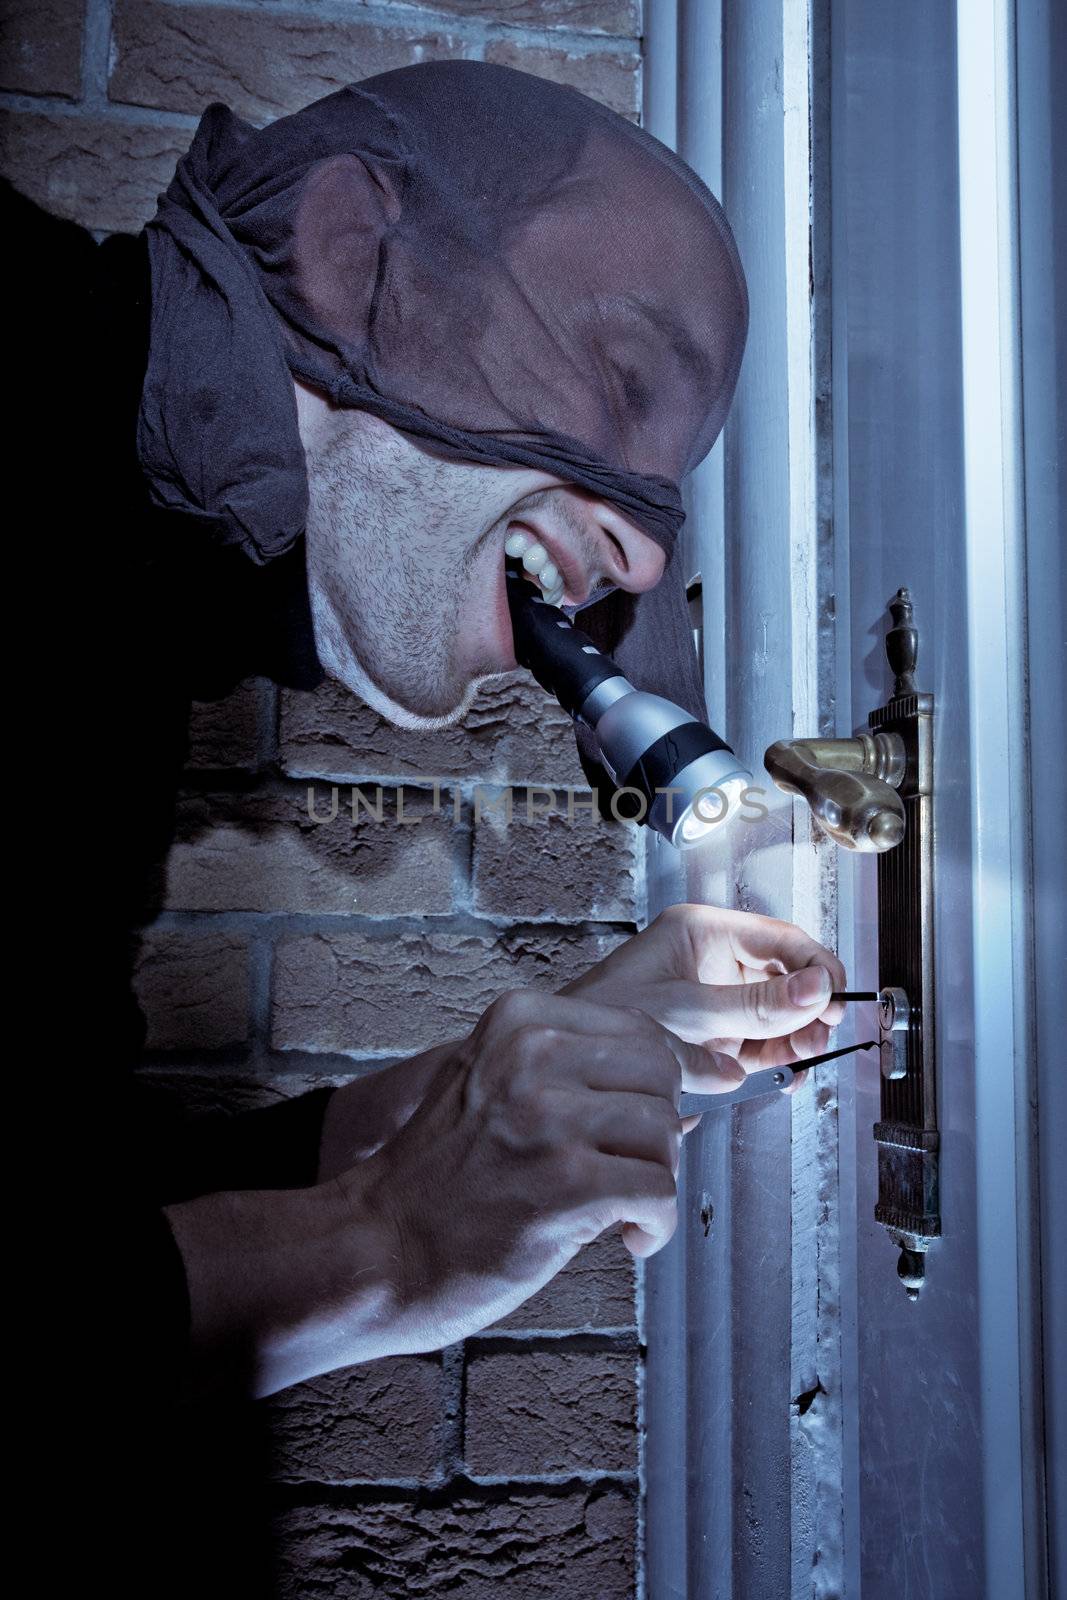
(850, 784)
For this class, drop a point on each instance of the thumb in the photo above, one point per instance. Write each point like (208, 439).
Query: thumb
(774, 1008)
(704, 1071)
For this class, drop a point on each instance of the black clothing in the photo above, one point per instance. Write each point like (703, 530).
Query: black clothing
(130, 615)
(178, 619)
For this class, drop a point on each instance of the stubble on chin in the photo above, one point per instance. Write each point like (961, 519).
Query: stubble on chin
(378, 631)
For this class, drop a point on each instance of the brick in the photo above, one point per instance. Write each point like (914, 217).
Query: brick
(595, 1290)
(381, 1419)
(551, 1411)
(41, 46)
(514, 732)
(344, 992)
(619, 17)
(526, 1546)
(548, 866)
(227, 734)
(611, 76)
(262, 852)
(103, 174)
(193, 989)
(261, 63)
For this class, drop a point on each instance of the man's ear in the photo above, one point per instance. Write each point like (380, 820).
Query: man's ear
(344, 213)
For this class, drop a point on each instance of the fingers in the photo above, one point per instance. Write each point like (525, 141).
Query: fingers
(640, 1125)
(762, 944)
(637, 1051)
(834, 1012)
(640, 1194)
(711, 1071)
(763, 1053)
(665, 1064)
(811, 1040)
(784, 1004)
(703, 1070)
(520, 1007)
(791, 1050)
(643, 1242)
(646, 1061)
(766, 943)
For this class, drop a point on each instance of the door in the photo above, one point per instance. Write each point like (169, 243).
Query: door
(890, 176)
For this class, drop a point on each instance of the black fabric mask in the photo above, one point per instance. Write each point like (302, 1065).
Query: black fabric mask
(494, 264)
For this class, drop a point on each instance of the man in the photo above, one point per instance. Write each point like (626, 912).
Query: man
(561, 1108)
(354, 354)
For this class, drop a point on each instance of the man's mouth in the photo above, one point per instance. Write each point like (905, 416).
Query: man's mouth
(538, 564)
(553, 571)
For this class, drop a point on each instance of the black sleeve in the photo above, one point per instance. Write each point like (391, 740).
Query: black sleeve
(183, 1155)
(159, 1311)
(180, 1157)
(273, 1147)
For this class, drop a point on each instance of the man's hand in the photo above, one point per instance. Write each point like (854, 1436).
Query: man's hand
(458, 1183)
(362, 1115)
(750, 986)
(713, 977)
(556, 1118)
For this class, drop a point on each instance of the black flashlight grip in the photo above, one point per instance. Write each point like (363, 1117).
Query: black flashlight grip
(562, 658)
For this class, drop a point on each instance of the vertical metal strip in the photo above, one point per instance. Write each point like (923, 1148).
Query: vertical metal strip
(995, 567)
(1041, 112)
(663, 1425)
(706, 1198)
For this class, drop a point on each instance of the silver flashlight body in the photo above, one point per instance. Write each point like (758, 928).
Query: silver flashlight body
(627, 722)
(685, 777)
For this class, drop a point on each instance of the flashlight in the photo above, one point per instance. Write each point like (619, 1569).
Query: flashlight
(688, 780)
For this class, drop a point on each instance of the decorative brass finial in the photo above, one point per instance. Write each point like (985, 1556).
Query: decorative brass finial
(911, 1270)
(902, 643)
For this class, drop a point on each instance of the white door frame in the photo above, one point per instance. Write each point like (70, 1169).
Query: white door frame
(995, 537)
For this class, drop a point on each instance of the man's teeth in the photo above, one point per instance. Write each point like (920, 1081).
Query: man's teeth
(538, 564)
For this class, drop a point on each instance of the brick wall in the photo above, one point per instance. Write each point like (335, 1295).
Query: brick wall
(295, 948)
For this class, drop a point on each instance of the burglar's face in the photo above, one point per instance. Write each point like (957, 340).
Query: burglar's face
(406, 560)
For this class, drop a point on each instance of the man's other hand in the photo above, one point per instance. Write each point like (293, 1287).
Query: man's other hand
(746, 985)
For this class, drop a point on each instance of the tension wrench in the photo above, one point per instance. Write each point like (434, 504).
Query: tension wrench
(773, 1080)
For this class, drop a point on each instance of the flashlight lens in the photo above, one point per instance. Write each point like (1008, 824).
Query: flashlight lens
(694, 827)
(710, 808)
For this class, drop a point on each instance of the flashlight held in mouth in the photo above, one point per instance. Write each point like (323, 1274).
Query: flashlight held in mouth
(688, 778)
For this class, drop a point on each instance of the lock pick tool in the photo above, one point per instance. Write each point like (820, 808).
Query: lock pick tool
(774, 1080)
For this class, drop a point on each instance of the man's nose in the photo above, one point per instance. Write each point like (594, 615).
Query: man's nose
(632, 559)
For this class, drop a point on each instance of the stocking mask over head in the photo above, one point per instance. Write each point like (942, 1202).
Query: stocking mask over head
(498, 266)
